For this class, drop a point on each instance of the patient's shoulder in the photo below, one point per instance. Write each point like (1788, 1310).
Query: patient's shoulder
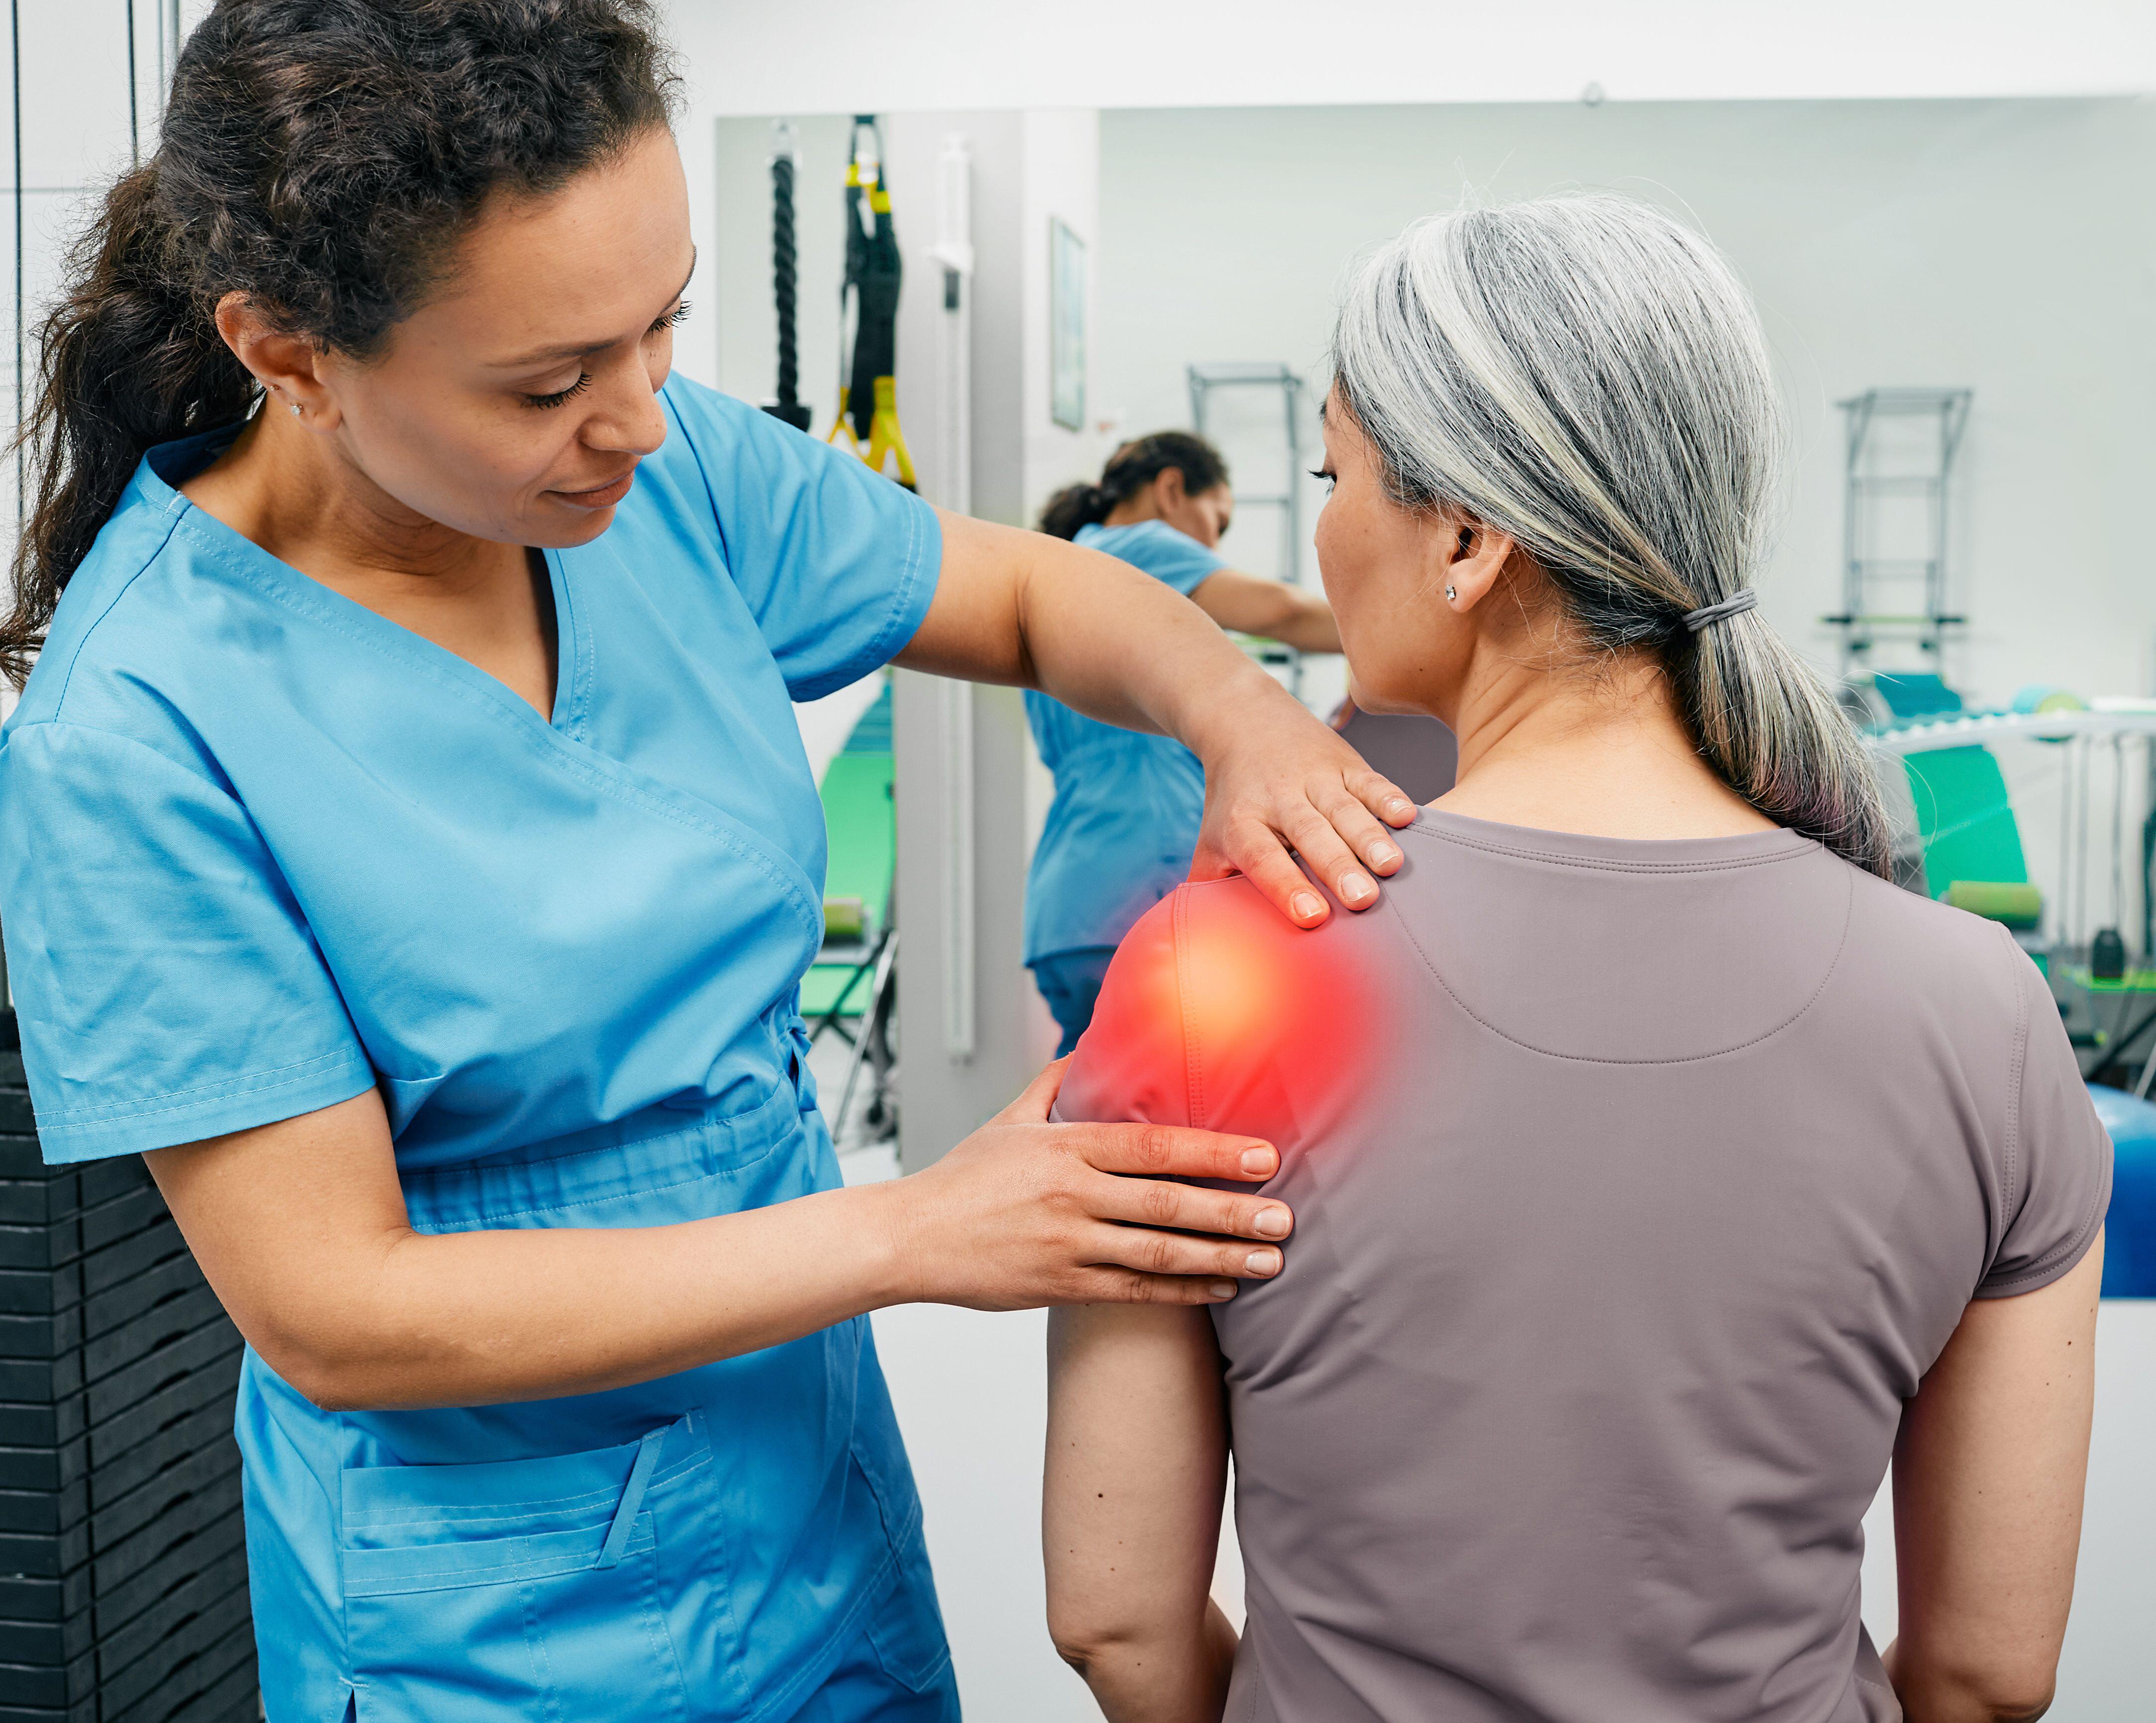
(1218, 1012)
(1129, 1065)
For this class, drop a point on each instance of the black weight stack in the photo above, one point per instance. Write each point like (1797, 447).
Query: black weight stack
(123, 1575)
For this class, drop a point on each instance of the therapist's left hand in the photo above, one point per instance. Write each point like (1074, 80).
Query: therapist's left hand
(1277, 778)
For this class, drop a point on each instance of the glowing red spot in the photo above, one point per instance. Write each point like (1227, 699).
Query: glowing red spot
(1217, 1012)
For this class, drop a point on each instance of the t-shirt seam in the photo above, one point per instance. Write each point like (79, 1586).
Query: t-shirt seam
(75, 725)
(2045, 1266)
(1795, 851)
(583, 650)
(237, 1088)
(2014, 1091)
(917, 515)
(1841, 945)
(173, 517)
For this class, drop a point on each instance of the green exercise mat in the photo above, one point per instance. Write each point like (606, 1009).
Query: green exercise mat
(860, 828)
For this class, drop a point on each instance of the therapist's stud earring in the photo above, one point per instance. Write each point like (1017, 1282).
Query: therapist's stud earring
(295, 409)
(1451, 593)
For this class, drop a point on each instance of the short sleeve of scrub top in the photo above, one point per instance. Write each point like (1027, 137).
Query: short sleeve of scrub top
(165, 979)
(194, 938)
(837, 564)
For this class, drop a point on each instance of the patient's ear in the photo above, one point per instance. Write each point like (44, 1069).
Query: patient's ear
(1466, 557)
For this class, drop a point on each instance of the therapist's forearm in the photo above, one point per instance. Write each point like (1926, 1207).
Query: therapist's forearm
(591, 1309)
(302, 1229)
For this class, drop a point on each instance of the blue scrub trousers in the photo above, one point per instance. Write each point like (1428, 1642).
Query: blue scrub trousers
(859, 1690)
(1070, 982)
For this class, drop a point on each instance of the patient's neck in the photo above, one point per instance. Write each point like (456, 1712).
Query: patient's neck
(1601, 752)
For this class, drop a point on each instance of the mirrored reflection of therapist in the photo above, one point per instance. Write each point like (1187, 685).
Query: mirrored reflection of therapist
(1124, 824)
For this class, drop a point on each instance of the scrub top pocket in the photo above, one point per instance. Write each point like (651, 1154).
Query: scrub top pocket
(540, 1589)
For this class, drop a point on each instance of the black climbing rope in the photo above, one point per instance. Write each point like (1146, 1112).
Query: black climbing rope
(785, 285)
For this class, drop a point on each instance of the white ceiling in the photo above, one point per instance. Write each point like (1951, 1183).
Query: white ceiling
(809, 56)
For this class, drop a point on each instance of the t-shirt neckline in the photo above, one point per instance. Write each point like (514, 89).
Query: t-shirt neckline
(1580, 849)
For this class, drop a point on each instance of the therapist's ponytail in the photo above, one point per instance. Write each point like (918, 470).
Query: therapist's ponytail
(322, 158)
(127, 360)
(1130, 469)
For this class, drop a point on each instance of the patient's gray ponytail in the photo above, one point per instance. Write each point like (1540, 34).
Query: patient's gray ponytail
(1590, 376)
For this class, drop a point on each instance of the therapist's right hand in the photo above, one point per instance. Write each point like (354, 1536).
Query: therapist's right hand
(1025, 1212)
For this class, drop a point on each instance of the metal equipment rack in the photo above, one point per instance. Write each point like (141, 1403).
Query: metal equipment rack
(1870, 582)
(1288, 500)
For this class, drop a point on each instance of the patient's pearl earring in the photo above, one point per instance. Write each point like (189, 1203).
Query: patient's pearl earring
(1451, 593)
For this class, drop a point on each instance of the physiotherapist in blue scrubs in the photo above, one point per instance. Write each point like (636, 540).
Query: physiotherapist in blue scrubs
(406, 845)
(1129, 807)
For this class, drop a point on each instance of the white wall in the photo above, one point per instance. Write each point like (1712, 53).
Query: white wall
(2007, 245)
(812, 56)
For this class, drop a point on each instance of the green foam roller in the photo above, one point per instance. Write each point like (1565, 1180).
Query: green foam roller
(2016, 903)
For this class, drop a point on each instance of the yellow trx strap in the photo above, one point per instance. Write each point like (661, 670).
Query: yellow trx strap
(868, 392)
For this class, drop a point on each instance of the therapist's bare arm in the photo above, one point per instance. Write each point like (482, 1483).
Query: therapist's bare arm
(1988, 1479)
(1137, 1460)
(1119, 645)
(1272, 609)
(302, 1230)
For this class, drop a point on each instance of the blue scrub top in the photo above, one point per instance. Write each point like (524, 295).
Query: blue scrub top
(262, 849)
(1124, 822)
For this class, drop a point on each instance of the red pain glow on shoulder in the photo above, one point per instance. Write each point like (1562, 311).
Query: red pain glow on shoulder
(1279, 1028)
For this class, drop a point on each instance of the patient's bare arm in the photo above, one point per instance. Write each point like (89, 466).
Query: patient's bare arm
(1138, 1462)
(1987, 1478)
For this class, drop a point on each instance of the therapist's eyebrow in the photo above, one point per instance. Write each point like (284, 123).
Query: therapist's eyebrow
(576, 350)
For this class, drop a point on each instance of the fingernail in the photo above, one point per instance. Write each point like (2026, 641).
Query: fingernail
(1383, 855)
(1263, 1261)
(1355, 888)
(1306, 904)
(1258, 1162)
(1272, 1222)
(1224, 1288)
(1400, 807)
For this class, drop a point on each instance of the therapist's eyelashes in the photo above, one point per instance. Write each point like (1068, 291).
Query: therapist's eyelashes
(542, 402)
(673, 320)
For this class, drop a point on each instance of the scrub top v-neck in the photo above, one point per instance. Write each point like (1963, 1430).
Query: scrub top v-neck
(262, 849)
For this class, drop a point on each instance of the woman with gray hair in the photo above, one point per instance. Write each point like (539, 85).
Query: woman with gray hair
(1659, 1170)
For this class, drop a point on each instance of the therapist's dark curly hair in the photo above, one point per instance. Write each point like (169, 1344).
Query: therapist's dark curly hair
(1129, 470)
(323, 158)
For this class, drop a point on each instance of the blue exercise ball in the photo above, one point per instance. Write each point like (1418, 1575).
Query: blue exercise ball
(2129, 1248)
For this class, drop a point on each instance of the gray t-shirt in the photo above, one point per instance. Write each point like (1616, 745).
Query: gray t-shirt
(1637, 1185)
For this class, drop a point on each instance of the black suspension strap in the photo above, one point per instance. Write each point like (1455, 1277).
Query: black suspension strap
(867, 371)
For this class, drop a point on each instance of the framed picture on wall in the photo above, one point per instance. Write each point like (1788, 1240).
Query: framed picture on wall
(1066, 327)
